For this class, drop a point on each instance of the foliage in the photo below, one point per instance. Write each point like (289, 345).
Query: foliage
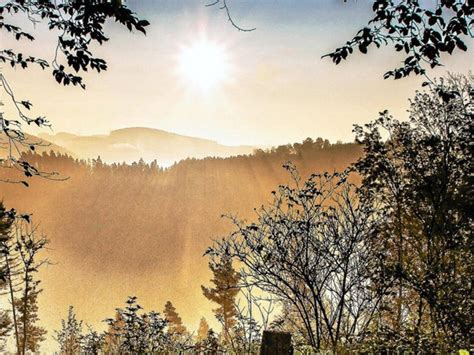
(20, 248)
(69, 337)
(80, 24)
(386, 266)
(30, 334)
(224, 293)
(137, 332)
(175, 323)
(5, 328)
(92, 342)
(421, 177)
(178, 337)
(310, 247)
(422, 32)
(203, 329)
(210, 345)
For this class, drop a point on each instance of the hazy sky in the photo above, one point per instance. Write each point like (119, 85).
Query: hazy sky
(274, 89)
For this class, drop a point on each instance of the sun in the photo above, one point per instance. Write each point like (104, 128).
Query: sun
(204, 65)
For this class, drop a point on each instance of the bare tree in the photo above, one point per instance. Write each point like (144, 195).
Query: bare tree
(311, 247)
(253, 317)
(20, 252)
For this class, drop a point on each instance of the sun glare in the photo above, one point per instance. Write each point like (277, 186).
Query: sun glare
(204, 65)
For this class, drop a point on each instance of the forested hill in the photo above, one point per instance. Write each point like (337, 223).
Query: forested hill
(131, 144)
(123, 229)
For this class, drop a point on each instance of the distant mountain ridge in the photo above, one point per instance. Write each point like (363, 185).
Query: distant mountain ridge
(131, 144)
(40, 145)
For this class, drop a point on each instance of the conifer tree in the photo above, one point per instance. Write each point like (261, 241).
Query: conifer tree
(175, 323)
(69, 337)
(30, 335)
(135, 332)
(203, 329)
(210, 345)
(224, 293)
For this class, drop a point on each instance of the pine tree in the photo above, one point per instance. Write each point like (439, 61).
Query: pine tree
(30, 335)
(203, 329)
(175, 323)
(223, 293)
(69, 337)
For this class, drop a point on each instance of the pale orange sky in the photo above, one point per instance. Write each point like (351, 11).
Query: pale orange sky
(280, 91)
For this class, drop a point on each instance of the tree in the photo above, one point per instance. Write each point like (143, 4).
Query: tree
(7, 218)
(247, 331)
(179, 338)
(70, 335)
(92, 342)
(30, 335)
(202, 330)
(424, 33)
(113, 335)
(135, 332)
(224, 292)
(211, 345)
(311, 247)
(80, 24)
(175, 324)
(27, 246)
(20, 248)
(421, 177)
(289, 321)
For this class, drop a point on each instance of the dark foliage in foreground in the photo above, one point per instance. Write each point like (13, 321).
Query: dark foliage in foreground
(422, 32)
(388, 265)
(80, 25)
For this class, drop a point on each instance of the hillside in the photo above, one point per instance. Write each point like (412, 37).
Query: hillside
(121, 229)
(131, 144)
(41, 144)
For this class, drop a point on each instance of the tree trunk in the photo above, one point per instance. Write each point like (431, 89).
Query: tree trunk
(12, 300)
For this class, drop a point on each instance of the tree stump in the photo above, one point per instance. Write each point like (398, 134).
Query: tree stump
(276, 343)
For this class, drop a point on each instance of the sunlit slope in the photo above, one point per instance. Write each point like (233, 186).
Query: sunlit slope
(136, 230)
(31, 143)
